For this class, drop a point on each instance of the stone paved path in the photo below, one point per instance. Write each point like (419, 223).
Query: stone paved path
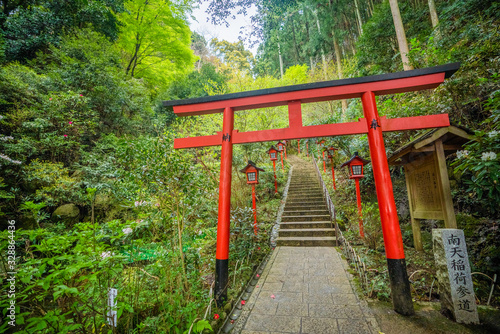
(312, 295)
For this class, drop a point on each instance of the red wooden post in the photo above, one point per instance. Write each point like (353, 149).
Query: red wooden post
(275, 180)
(282, 165)
(284, 148)
(307, 148)
(324, 162)
(333, 175)
(254, 206)
(360, 215)
(223, 224)
(393, 241)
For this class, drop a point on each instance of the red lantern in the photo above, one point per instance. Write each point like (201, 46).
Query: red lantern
(355, 165)
(331, 151)
(273, 155)
(252, 173)
(281, 147)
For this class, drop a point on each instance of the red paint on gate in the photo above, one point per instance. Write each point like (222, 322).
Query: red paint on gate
(224, 215)
(393, 240)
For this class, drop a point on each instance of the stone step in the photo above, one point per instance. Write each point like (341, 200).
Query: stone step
(299, 225)
(305, 187)
(298, 202)
(306, 241)
(288, 213)
(305, 218)
(309, 185)
(310, 207)
(303, 181)
(305, 198)
(307, 232)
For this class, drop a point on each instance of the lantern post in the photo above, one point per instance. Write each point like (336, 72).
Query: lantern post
(355, 167)
(252, 173)
(284, 147)
(331, 152)
(320, 143)
(325, 150)
(273, 155)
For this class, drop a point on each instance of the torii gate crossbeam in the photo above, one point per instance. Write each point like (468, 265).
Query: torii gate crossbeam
(365, 88)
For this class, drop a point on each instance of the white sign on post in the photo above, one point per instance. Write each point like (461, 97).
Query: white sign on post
(112, 315)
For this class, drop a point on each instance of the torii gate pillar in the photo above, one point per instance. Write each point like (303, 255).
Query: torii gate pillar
(393, 241)
(224, 215)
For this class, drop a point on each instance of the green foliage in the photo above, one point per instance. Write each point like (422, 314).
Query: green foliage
(155, 40)
(198, 84)
(233, 55)
(51, 183)
(371, 224)
(30, 29)
(35, 210)
(478, 165)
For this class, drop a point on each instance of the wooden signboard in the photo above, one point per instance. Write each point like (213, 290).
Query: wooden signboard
(424, 161)
(424, 193)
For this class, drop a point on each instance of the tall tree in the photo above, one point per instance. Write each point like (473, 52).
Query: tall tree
(400, 34)
(155, 39)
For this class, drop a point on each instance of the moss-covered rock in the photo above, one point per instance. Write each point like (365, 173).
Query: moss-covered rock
(67, 213)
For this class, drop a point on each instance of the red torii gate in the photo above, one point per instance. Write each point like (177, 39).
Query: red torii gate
(365, 88)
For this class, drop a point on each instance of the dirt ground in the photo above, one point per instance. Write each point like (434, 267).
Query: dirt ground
(428, 319)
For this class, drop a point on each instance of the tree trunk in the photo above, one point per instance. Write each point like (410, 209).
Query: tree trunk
(323, 58)
(358, 14)
(434, 17)
(400, 34)
(295, 42)
(281, 59)
(339, 70)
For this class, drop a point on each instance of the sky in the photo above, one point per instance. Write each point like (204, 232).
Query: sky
(229, 34)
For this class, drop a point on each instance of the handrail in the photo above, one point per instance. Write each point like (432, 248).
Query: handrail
(329, 203)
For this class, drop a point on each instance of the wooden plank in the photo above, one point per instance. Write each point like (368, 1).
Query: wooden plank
(295, 131)
(428, 215)
(336, 92)
(415, 223)
(415, 122)
(448, 210)
(435, 136)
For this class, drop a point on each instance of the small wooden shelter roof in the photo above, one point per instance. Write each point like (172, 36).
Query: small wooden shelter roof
(453, 138)
(272, 148)
(250, 164)
(355, 157)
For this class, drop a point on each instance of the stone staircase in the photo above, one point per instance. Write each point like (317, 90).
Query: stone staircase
(305, 220)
